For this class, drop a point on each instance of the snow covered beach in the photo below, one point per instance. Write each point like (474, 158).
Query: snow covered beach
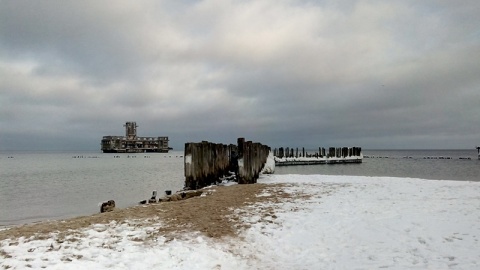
(285, 222)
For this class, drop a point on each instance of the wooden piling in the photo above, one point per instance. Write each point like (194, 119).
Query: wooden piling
(206, 163)
(334, 155)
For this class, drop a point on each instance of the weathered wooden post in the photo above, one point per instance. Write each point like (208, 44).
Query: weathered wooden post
(189, 166)
(206, 163)
(249, 167)
(233, 158)
(241, 160)
(257, 161)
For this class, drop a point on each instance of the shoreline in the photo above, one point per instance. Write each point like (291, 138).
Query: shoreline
(125, 211)
(217, 202)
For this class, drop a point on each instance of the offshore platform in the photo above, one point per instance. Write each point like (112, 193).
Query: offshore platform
(131, 143)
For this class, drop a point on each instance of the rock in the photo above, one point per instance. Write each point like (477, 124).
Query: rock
(164, 199)
(152, 200)
(191, 193)
(107, 206)
(181, 196)
(175, 197)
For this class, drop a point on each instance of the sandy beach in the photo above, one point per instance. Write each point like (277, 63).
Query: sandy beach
(208, 214)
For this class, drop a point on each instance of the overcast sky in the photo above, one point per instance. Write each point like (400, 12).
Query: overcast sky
(375, 74)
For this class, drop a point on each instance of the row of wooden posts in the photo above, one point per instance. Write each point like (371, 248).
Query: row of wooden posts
(206, 162)
(332, 152)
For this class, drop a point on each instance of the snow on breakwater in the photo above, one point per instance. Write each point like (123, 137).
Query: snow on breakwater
(335, 155)
(317, 160)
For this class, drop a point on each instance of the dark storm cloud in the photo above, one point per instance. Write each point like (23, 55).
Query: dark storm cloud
(378, 74)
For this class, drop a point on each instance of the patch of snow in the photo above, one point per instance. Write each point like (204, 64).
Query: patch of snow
(227, 183)
(269, 165)
(264, 194)
(188, 159)
(240, 163)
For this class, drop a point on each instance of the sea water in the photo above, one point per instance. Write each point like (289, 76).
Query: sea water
(54, 185)
(426, 164)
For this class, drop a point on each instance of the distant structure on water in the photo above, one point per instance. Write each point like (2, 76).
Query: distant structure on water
(130, 143)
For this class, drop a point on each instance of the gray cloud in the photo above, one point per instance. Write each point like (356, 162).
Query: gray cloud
(401, 74)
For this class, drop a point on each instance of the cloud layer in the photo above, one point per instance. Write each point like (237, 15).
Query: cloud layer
(401, 74)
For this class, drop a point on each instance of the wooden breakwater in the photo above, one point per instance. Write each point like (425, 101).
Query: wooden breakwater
(290, 156)
(206, 163)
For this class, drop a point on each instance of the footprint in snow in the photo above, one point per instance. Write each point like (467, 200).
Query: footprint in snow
(422, 241)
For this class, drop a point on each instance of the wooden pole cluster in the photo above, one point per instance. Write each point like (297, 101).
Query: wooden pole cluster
(332, 152)
(206, 162)
(251, 159)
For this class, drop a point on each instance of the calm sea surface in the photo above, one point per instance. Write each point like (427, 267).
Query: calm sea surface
(426, 164)
(54, 185)
(39, 186)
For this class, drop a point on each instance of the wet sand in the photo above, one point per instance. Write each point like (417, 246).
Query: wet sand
(212, 214)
